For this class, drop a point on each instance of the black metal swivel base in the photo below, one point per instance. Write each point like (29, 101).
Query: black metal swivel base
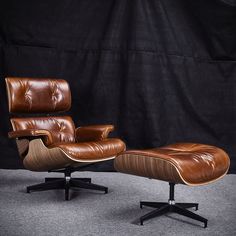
(171, 206)
(66, 184)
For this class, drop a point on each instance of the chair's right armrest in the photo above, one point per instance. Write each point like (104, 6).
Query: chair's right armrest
(93, 132)
(31, 133)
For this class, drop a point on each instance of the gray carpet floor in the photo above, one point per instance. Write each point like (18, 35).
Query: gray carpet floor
(116, 213)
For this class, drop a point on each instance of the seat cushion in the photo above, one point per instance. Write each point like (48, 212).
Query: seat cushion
(186, 163)
(92, 151)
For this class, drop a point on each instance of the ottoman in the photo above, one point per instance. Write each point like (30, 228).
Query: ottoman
(181, 163)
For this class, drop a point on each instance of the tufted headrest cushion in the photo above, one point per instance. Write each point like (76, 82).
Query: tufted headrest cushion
(37, 95)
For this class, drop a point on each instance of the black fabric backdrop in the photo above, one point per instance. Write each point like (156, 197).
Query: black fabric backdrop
(162, 71)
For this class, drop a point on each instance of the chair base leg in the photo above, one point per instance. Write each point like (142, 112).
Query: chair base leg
(57, 184)
(82, 184)
(171, 206)
(66, 183)
(188, 205)
(82, 179)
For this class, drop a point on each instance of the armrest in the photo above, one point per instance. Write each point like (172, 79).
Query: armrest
(28, 133)
(93, 132)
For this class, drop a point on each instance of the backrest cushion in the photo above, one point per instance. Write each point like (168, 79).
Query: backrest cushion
(61, 127)
(38, 95)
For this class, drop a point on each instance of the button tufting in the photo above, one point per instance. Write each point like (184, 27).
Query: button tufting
(61, 128)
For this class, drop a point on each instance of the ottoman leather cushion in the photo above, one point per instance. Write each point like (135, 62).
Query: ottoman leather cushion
(185, 163)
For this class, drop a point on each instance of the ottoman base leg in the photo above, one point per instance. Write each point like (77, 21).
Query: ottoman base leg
(171, 206)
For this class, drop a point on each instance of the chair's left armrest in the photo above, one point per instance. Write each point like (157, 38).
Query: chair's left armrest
(93, 132)
(32, 134)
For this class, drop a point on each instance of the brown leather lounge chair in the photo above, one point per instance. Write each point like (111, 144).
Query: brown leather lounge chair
(52, 143)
